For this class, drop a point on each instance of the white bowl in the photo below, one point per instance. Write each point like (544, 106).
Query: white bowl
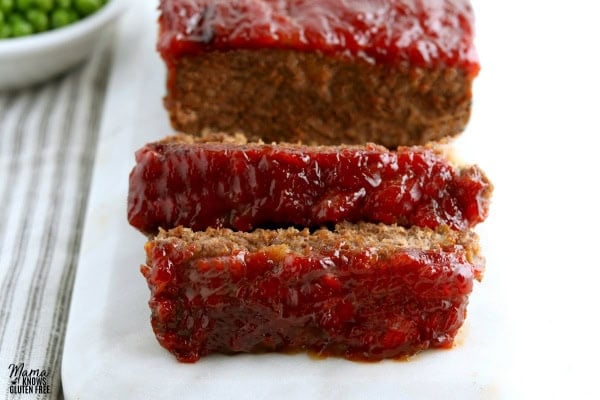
(32, 59)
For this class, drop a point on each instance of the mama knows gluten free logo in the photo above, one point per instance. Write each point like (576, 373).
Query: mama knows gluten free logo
(28, 381)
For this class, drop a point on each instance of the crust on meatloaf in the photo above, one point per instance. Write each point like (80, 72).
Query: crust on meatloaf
(222, 181)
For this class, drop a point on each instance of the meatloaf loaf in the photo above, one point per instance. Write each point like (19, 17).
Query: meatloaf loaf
(221, 181)
(363, 291)
(393, 72)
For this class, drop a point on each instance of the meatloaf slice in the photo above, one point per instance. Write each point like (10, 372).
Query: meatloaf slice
(365, 291)
(394, 72)
(188, 181)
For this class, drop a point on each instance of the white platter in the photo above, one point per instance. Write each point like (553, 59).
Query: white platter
(110, 349)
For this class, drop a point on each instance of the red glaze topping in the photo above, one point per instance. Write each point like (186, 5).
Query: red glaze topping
(421, 32)
(248, 186)
(346, 302)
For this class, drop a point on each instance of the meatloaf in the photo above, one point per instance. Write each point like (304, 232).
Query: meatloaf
(363, 291)
(393, 72)
(221, 181)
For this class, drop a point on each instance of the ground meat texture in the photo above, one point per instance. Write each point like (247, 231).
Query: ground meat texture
(394, 72)
(364, 292)
(187, 181)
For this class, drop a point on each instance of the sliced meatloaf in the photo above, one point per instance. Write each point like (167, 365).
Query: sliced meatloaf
(201, 183)
(363, 291)
(393, 72)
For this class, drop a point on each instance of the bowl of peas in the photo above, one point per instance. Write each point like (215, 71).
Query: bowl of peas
(40, 39)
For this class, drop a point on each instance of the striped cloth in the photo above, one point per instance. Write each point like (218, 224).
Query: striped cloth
(48, 137)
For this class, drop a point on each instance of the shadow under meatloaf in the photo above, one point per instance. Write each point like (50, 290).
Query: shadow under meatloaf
(394, 72)
(365, 291)
(223, 181)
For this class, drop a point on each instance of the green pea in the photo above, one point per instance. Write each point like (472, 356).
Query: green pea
(38, 19)
(21, 28)
(60, 17)
(1, 17)
(87, 7)
(5, 31)
(44, 5)
(14, 18)
(6, 6)
(23, 5)
(73, 16)
(64, 3)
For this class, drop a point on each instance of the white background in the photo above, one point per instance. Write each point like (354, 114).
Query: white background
(532, 324)
(535, 130)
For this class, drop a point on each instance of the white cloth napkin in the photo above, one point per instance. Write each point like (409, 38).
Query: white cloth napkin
(48, 137)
